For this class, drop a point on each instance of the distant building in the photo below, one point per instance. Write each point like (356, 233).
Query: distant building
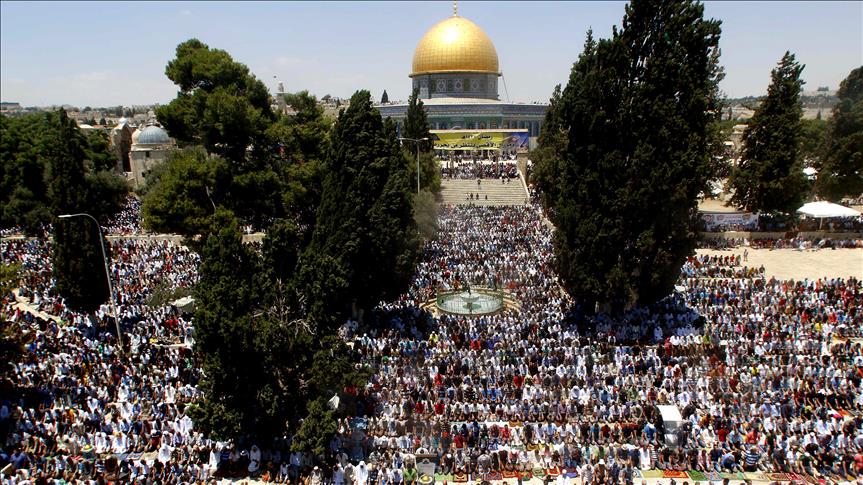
(120, 142)
(6, 106)
(150, 147)
(456, 71)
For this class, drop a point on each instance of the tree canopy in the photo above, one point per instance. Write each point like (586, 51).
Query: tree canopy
(840, 171)
(76, 256)
(628, 146)
(27, 152)
(266, 371)
(770, 175)
(364, 243)
(260, 165)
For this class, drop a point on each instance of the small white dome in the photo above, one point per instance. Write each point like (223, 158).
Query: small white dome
(153, 135)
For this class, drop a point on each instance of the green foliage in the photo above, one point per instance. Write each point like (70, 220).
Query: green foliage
(813, 136)
(180, 202)
(12, 341)
(364, 244)
(262, 365)
(99, 155)
(164, 293)
(77, 255)
(317, 429)
(27, 149)
(770, 175)
(627, 148)
(269, 164)
(841, 170)
(416, 124)
(220, 105)
(225, 337)
(549, 156)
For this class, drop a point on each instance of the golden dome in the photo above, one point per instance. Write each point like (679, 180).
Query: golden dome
(455, 44)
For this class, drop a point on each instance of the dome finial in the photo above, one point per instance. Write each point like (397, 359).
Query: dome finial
(455, 8)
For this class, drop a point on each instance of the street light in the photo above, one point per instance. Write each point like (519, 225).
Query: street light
(107, 272)
(417, 141)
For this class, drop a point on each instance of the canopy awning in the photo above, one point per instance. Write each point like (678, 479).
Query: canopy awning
(823, 209)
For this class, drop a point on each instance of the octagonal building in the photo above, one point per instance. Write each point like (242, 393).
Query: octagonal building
(456, 70)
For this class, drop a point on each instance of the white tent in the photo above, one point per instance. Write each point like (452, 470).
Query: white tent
(824, 209)
(185, 304)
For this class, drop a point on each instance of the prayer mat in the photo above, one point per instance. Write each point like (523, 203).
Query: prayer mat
(755, 476)
(732, 476)
(714, 476)
(494, 476)
(508, 474)
(538, 472)
(696, 475)
(532, 447)
(776, 477)
(526, 475)
(460, 478)
(651, 473)
(674, 474)
(514, 424)
(553, 472)
(571, 472)
(442, 478)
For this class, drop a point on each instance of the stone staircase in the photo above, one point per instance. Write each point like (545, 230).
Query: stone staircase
(455, 191)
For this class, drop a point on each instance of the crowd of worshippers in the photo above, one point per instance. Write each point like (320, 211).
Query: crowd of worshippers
(127, 220)
(84, 411)
(479, 170)
(798, 242)
(766, 374)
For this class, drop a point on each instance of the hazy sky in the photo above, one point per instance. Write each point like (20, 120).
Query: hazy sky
(110, 53)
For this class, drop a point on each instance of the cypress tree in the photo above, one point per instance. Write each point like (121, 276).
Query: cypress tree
(770, 175)
(364, 243)
(638, 112)
(416, 122)
(77, 253)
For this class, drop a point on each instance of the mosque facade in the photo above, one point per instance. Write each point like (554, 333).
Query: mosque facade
(456, 70)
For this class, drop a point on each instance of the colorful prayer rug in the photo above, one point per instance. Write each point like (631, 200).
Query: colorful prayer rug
(697, 475)
(674, 474)
(460, 478)
(509, 474)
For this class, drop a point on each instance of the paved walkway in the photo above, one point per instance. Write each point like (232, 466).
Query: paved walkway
(796, 264)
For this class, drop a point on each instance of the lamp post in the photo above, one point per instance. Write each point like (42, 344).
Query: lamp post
(107, 272)
(417, 141)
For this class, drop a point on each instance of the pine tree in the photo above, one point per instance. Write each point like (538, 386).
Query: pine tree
(385, 97)
(770, 175)
(638, 112)
(841, 171)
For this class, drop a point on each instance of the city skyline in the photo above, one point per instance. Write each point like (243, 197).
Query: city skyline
(51, 57)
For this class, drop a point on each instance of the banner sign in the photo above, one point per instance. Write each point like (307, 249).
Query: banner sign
(715, 219)
(500, 140)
